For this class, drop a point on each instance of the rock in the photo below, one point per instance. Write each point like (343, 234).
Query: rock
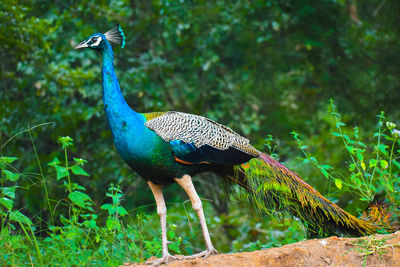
(332, 251)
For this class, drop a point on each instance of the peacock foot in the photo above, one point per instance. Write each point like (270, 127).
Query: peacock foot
(165, 259)
(205, 254)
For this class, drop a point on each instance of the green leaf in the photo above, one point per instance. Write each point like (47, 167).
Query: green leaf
(6, 202)
(11, 176)
(350, 149)
(339, 183)
(108, 207)
(325, 173)
(65, 141)
(384, 164)
(360, 156)
(80, 161)
(113, 223)
(339, 124)
(326, 167)
(171, 235)
(352, 142)
(17, 216)
(8, 191)
(79, 187)
(79, 198)
(174, 246)
(65, 221)
(361, 144)
(382, 148)
(7, 160)
(363, 165)
(372, 163)
(121, 211)
(78, 170)
(352, 167)
(61, 171)
(54, 162)
(91, 224)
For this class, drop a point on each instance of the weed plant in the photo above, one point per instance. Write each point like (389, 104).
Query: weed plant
(75, 238)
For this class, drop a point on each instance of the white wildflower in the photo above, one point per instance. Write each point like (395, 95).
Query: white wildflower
(390, 125)
(396, 133)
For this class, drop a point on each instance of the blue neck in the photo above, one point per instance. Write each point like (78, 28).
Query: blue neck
(115, 106)
(112, 95)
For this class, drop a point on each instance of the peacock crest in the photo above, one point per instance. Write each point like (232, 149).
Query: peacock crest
(116, 35)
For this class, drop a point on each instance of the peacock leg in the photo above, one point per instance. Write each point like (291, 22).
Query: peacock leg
(162, 212)
(186, 183)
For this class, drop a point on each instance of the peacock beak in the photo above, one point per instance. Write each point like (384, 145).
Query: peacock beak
(81, 45)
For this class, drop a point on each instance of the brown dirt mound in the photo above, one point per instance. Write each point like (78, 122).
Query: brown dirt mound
(376, 250)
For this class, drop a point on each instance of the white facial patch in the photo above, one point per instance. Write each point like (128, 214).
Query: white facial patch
(97, 41)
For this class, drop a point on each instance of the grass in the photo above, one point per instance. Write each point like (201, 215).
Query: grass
(372, 245)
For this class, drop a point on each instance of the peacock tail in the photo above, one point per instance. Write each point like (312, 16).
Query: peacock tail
(269, 185)
(273, 187)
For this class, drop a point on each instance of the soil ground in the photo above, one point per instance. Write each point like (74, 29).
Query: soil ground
(376, 250)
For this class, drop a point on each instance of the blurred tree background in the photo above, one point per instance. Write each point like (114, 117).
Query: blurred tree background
(259, 67)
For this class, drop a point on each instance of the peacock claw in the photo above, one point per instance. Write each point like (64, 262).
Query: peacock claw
(205, 254)
(163, 260)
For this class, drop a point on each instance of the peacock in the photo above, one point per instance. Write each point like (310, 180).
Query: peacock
(172, 147)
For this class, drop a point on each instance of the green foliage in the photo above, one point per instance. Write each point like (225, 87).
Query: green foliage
(371, 169)
(7, 196)
(79, 237)
(257, 66)
(80, 234)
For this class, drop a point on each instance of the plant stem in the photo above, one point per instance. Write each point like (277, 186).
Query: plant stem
(390, 172)
(377, 152)
(69, 187)
(364, 182)
(66, 166)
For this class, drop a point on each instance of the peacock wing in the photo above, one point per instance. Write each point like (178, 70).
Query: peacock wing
(196, 139)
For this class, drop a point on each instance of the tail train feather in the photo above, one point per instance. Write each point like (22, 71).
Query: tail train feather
(384, 214)
(273, 187)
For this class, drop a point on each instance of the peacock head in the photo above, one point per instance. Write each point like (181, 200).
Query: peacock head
(98, 41)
